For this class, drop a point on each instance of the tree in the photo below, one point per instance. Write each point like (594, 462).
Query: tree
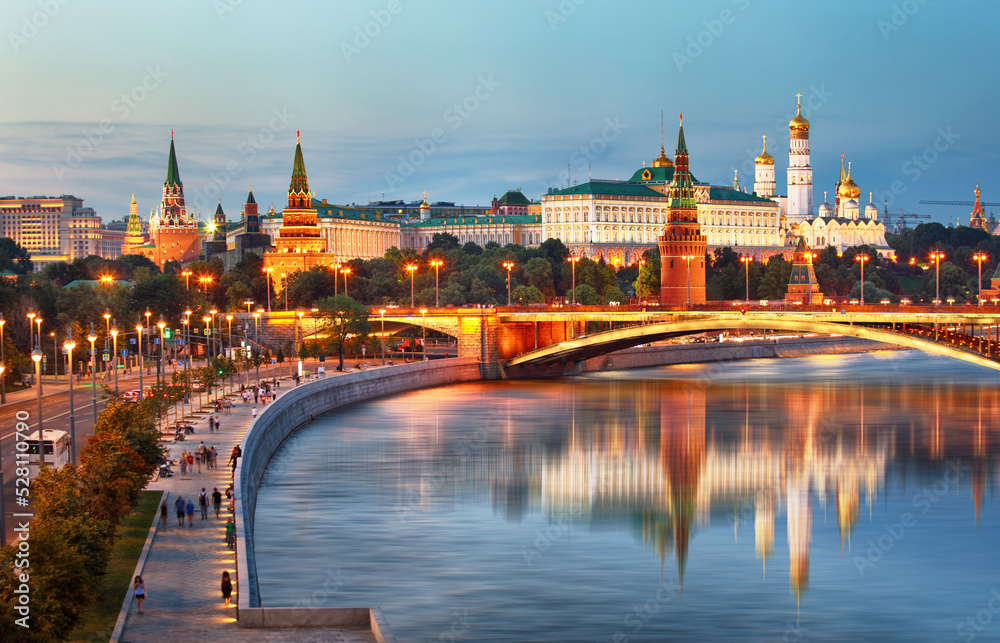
(774, 283)
(441, 241)
(344, 318)
(587, 295)
(613, 295)
(538, 272)
(649, 275)
(528, 294)
(14, 258)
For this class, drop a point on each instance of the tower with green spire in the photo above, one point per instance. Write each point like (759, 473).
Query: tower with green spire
(173, 233)
(299, 231)
(682, 246)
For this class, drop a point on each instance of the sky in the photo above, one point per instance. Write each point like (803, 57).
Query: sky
(465, 100)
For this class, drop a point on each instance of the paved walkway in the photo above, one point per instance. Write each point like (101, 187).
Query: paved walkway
(183, 570)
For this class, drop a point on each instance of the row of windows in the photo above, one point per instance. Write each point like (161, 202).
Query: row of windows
(653, 215)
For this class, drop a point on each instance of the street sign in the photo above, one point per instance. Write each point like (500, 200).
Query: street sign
(124, 352)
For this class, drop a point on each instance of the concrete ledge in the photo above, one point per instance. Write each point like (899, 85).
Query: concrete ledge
(290, 618)
(292, 410)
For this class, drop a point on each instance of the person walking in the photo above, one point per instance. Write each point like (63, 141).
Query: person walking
(139, 589)
(227, 588)
(214, 454)
(203, 504)
(218, 423)
(163, 513)
(217, 501)
(190, 513)
(253, 413)
(192, 461)
(184, 463)
(230, 533)
(179, 503)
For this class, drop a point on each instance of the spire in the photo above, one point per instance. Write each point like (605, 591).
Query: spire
(173, 175)
(298, 190)
(250, 198)
(681, 143)
(843, 176)
(133, 199)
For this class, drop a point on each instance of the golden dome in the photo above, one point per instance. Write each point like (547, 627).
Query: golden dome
(764, 158)
(849, 189)
(662, 160)
(799, 123)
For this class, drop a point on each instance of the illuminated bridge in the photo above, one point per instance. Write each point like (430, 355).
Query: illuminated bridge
(532, 341)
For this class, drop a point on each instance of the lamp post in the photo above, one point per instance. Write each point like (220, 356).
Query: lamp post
(147, 314)
(114, 348)
(572, 262)
(248, 303)
(267, 272)
(31, 329)
(36, 356)
(862, 259)
(92, 337)
(336, 282)
(256, 336)
(746, 268)
(423, 329)
(229, 322)
(936, 257)
(107, 333)
(346, 270)
(138, 332)
(38, 320)
(187, 279)
(208, 334)
(437, 263)
(412, 269)
(161, 325)
(211, 343)
(69, 345)
(980, 257)
(688, 258)
(3, 380)
(509, 265)
(55, 356)
(381, 313)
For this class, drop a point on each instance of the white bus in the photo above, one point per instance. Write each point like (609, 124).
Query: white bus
(55, 447)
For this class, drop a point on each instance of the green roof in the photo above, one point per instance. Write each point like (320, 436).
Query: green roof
(610, 188)
(94, 284)
(681, 143)
(173, 175)
(250, 198)
(729, 194)
(513, 197)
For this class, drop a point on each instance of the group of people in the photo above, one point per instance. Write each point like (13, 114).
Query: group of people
(139, 590)
(190, 461)
(261, 393)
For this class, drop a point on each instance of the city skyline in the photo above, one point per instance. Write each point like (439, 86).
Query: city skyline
(503, 97)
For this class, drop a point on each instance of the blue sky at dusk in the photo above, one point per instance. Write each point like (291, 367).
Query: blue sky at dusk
(513, 92)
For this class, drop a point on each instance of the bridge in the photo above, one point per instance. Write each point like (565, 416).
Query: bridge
(532, 341)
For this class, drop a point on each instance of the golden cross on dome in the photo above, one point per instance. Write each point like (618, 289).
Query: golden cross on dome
(425, 195)
(798, 100)
(765, 141)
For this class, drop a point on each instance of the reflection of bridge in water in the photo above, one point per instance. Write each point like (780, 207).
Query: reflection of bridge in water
(679, 455)
(531, 341)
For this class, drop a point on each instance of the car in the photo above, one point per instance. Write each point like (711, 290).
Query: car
(132, 396)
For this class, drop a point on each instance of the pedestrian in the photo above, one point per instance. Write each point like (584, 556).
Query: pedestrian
(214, 454)
(230, 533)
(163, 513)
(203, 504)
(254, 413)
(139, 588)
(217, 501)
(218, 422)
(190, 459)
(180, 510)
(190, 513)
(255, 393)
(184, 462)
(227, 588)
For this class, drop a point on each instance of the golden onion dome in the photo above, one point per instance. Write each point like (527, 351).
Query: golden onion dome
(662, 160)
(424, 205)
(764, 158)
(799, 123)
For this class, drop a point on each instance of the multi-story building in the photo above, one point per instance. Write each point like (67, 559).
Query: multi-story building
(53, 229)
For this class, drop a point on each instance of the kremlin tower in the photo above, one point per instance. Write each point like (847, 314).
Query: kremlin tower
(800, 179)
(299, 230)
(978, 218)
(682, 246)
(133, 233)
(763, 184)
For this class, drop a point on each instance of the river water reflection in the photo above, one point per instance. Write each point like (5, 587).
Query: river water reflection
(833, 498)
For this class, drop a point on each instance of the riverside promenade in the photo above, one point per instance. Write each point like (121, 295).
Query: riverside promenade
(182, 566)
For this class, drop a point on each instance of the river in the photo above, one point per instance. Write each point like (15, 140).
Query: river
(848, 497)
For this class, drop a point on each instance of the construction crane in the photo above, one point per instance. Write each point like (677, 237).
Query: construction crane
(965, 203)
(896, 223)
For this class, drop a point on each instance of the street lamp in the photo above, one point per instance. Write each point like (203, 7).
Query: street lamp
(423, 328)
(336, 282)
(572, 262)
(347, 271)
(509, 265)
(267, 271)
(213, 313)
(69, 345)
(107, 332)
(412, 269)
(92, 337)
(381, 312)
(980, 257)
(689, 258)
(38, 320)
(3, 380)
(114, 349)
(138, 332)
(55, 358)
(248, 303)
(437, 263)
(208, 334)
(862, 259)
(36, 356)
(936, 257)
(31, 329)
(746, 268)
(256, 335)
(163, 366)
(187, 279)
